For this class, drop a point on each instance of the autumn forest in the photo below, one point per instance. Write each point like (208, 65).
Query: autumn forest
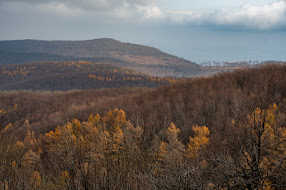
(136, 131)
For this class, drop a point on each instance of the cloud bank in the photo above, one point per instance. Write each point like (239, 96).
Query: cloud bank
(266, 17)
(271, 16)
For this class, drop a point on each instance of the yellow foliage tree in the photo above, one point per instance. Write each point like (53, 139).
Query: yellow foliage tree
(7, 128)
(30, 159)
(176, 147)
(65, 135)
(64, 180)
(115, 121)
(267, 146)
(199, 141)
(30, 139)
(171, 151)
(3, 111)
(36, 180)
(258, 163)
(162, 151)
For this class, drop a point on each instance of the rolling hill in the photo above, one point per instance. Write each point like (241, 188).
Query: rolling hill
(73, 75)
(212, 101)
(144, 59)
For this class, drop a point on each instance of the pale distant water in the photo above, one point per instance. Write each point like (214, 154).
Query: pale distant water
(208, 44)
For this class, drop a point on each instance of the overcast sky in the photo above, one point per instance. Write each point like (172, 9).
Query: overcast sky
(198, 30)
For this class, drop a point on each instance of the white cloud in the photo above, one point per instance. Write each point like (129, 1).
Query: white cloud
(150, 11)
(263, 17)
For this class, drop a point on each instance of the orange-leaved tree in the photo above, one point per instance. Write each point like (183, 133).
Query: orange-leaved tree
(198, 142)
(258, 157)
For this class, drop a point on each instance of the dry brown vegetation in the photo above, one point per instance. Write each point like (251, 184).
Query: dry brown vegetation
(68, 75)
(158, 142)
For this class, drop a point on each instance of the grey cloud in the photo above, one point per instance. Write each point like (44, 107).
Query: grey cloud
(263, 17)
(91, 4)
(141, 2)
(86, 4)
(111, 8)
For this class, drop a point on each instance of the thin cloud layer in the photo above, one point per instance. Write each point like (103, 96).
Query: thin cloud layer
(267, 17)
(112, 8)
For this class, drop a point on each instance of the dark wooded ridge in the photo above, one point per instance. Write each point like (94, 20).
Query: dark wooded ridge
(140, 58)
(80, 75)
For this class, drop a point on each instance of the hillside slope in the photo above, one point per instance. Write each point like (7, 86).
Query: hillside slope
(73, 75)
(213, 102)
(137, 57)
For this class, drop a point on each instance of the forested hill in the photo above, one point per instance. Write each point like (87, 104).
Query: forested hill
(62, 76)
(138, 57)
(222, 132)
(212, 101)
(87, 48)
